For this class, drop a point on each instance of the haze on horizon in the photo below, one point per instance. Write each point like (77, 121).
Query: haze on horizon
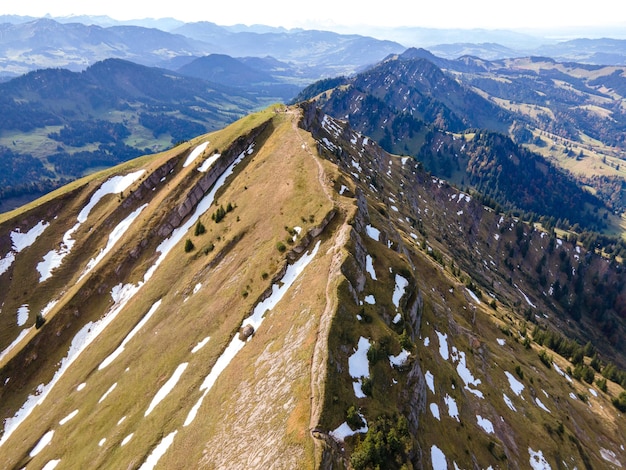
(349, 16)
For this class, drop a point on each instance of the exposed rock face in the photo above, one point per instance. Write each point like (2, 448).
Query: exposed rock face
(202, 186)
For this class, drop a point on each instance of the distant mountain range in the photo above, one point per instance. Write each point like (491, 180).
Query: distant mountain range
(78, 41)
(44, 43)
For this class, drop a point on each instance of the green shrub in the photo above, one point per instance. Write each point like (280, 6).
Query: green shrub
(367, 385)
(620, 402)
(353, 418)
(188, 245)
(200, 229)
(545, 358)
(218, 215)
(387, 444)
(280, 246)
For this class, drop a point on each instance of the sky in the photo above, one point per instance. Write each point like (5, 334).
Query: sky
(335, 14)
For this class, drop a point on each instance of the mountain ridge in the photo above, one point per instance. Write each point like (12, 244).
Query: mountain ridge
(397, 259)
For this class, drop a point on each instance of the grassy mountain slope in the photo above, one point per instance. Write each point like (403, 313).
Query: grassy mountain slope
(434, 282)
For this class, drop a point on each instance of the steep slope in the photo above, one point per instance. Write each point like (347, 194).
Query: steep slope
(336, 305)
(411, 107)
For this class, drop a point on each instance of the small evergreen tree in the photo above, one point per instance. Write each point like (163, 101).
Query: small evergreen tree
(200, 229)
(188, 245)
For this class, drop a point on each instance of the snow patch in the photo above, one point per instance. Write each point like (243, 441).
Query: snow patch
(158, 452)
(400, 359)
(117, 233)
(107, 393)
(15, 342)
(453, 410)
(68, 417)
(358, 366)
(195, 153)
(370, 299)
(208, 163)
(200, 345)
(472, 295)
(279, 289)
(434, 409)
(344, 431)
(108, 360)
(610, 456)
(22, 315)
(541, 405)
(23, 240)
(127, 439)
(369, 267)
(443, 345)
(430, 381)
(465, 374)
(485, 424)
(114, 185)
(508, 402)
(438, 458)
(398, 292)
(537, 460)
(501, 341)
(6, 262)
(43, 442)
(515, 384)
(51, 465)
(167, 387)
(372, 232)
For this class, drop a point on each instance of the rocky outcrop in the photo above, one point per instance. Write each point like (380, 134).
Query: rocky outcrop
(204, 184)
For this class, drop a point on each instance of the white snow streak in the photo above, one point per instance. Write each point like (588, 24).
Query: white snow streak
(107, 393)
(54, 258)
(537, 460)
(398, 292)
(200, 345)
(453, 410)
(369, 267)
(23, 240)
(400, 359)
(443, 345)
(109, 359)
(167, 387)
(438, 458)
(358, 366)
(43, 442)
(373, 232)
(68, 417)
(485, 424)
(208, 163)
(158, 452)
(114, 237)
(434, 409)
(430, 381)
(278, 291)
(515, 384)
(195, 153)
